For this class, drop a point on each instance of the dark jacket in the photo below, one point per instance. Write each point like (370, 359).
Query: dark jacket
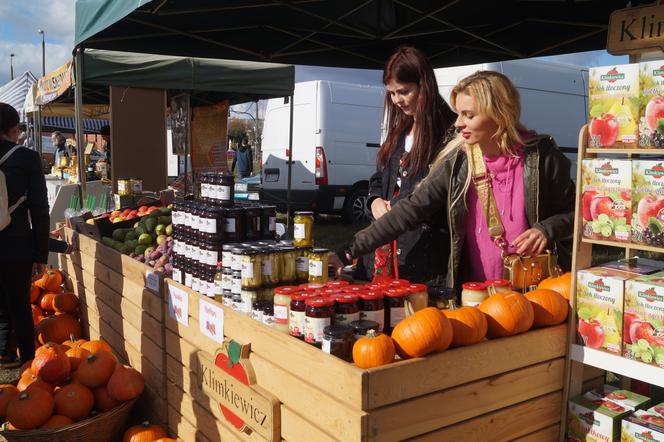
(418, 245)
(244, 160)
(21, 241)
(549, 196)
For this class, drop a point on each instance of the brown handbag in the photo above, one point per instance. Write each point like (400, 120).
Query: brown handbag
(523, 272)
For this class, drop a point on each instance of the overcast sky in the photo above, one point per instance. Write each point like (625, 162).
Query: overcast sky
(20, 20)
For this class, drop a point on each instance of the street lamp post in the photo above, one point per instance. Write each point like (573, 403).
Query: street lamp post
(41, 31)
(11, 65)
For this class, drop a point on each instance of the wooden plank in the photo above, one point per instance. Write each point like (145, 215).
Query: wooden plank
(179, 425)
(440, 371)
(548, 434)
(296, 428)
(506, 424)
(592, 384)
(590, 372)
(437, 410)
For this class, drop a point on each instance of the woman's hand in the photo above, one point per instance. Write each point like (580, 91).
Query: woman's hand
(379, 207)
(531, 242)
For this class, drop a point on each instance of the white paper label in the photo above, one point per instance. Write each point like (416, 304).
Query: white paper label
(152, 280)
(236, 287)
(313, 328)
(177, 275)
(224, 193)
(281, 314)
(212, 225)
(227, 282)
(187, 219)
(196, 284)
(247, 270)
(376, 316)
(315, 268)
(204, 190)
(266, 267)
(326, 346)
(175, 218)
(272, 224)
(187, 279)
(247, 301)
(226, 259)
(213, 257)
(296, 323)
(178, 305)
(229, 225)
(211, 321)
(236, 262)
(396, 315)
(302, 264)
(299, 231)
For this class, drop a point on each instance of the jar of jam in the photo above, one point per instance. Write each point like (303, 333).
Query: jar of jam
(303, 223)
(362, 327)
(248, 297)
(395, 303)
(494, 286)
(418, 297)
(268, 314)
(302, 263)
(236, 257)
(236, 287)
(187, 275)
(355, 288)
(203, 186)
(346, 309)
(336, 284)
(228, 298)
(227, 255)
(317, 315)
(440, 296)
(287, 260)
(252, 223)
(338, 341)
(234, 224)
(251, 268)
(226, 189)
(318, 260)
(257, 310)
(268, 222)
(372, 308)
(296, 313)
(282, 301)
(399, 282)
(473, 294)
(311, 286)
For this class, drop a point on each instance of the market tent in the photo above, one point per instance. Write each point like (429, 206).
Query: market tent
(69, 124)
(14, 92)
(346, 33)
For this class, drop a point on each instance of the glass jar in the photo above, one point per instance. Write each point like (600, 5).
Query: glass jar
(226, 189)
(473, 294)
(303, 223)
(346, 309)
(237, 302)
(302, 263)
(252, 223)
(226, 279)
(234, 224)
(361, 327)
(248, 297)
(399, 282)
(271, 266)
(417, 297)
(494, 286)
(317, 315)
(282, 301)
(227, 255)
(355, 288)
(395, 303)
(372, 308)
(318, 259)
(236, 258)
(236, 287)
(440, 296)
(204, 180)
(228, 298)
(338, 341)
(268, 314)
(257, 311)
(187, 275)
(124, 186)
(311, 286)
(251, 268)
(268, 222)
(296, 313)
(287, 259)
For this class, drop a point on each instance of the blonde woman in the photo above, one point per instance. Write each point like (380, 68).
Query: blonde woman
(530, 179)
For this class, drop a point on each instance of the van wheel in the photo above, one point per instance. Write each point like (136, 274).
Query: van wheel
(355, 208)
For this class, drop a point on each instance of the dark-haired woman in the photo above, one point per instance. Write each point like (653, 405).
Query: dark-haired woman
(418, 121)
(24, 241)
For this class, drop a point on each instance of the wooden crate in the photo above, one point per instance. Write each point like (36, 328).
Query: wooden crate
(503, 389)
(116, 307)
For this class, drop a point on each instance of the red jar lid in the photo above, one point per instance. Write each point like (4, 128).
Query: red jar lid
(399, 282)
(375, 286)
(372, 295)
(346, 298)
(328, 292)
(336, 284)
(311, 286)
(354, 288)
(473, 286)
(417, 288)
(319, 301)
(397, 292)
(497, 282)
(301, 296)
(287, 290)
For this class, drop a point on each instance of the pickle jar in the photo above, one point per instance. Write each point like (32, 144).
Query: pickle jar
(318, 259)
(248, 296)
(281, 302)
(270, 266)
(288, 256)
(251, 268)
(346, 309)
(418, 297)
(317, 315)
(302, 263)
(395, 307)
(227, 255)
(372, 307)
(303, 223)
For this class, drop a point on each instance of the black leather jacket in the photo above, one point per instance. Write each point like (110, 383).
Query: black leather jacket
(549, 196)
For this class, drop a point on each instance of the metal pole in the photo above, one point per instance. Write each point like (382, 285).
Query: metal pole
(43, 53)
(11, 65)
(290, 164)
(38, 131)
(78, 107)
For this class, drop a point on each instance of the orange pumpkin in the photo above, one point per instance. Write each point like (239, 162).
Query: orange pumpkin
(51, 363)
(34, 293)
(25, 368)
(125, 383)
(57, 421)
(550, 307)
(37, 315)
(143, 433)
(103, 400)
(507, 313)
(73, 342)
(50, 281)
(165, 439)
(30, 409)
(46, 302)
(30, 382)
(74, 401)
(58, 329)
(469, 325)
(95, 370)
(373, 350)
(95, 346)
(76, 355)
(561, 284)
(65, 303)
(7, 393)
(426, 331)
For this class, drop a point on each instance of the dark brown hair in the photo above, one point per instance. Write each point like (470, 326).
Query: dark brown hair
(8, 118)
(434, 116)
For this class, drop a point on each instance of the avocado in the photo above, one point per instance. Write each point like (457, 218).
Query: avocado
(145, 239)
(131, 235)
(139, 231)
(119, 234)
(165, 220)
(140, 249)
(150, 224)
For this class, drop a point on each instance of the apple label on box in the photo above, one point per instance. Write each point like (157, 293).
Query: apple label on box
(614, 106)
(648, 202)
(643, 329)
(599, 308)
(643, 426)
(606, 202)
(594, 420)
(651, 115)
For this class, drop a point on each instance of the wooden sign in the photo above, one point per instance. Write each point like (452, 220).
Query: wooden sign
(634, 30)
(228, 379)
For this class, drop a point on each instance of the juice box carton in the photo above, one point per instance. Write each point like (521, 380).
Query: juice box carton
(599, 308)
(606, 203)
(625, 398)
(642, 266)
(594, 420)
(642, 426)
(657, 409)
(651, 106)
(648, 202)
(643, 319)
(614, 106)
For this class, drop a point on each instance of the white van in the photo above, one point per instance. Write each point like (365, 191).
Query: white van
(336, 135)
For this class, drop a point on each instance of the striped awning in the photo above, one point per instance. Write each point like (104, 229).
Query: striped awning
(14, 92)
(69, 124)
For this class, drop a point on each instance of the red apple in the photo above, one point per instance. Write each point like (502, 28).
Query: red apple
(601, 204)
(606, 128)
(649, 206)
(592, 333)
(143, 208)
(104, 215)
(628, 318)
(654, 111)
(642, 330)
(587, 197)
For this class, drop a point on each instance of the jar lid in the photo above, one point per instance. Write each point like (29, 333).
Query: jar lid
(320, 250)
(397, 292)
(250, 251)
(371, 295)
(311, 286)
(399, 282)
(286, 290)
(271, 208)
(237, 273)
(473, 286)
(346, 298)
(304, 213)
(354, 288)
(417, 288)
(229, 247)
(328, 292)
(364, 325)
(301, 296)
(337, 284)
(237, 250)
(285, 243)
(497, 282)
(338, 330)
(319, 301)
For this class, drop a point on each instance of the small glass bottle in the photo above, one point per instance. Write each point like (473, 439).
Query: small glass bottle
(473, 294)
(418, 298)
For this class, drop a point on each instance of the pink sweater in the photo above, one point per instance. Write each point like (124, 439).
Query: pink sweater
(481, 256)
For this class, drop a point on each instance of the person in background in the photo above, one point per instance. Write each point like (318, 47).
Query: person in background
(60, 147)
(22, 139)
(105, 148)
(244, 159)
(23, 242)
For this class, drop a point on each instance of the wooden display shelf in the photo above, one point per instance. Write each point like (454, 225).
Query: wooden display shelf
(623, 245)
(601, 150)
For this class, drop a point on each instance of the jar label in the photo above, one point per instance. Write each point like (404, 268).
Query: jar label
(280, 314)
(397, 314)
(229, 225)
(224, 193)
(247, 269)
(228, 301)
(299, 231)
(226, 259)
(296, 323)
(326, 346)
(218, 286)
(266, 267)
(302, 264)
(213, 257)
(247, 302)
(236, 262)
(175, 218)
(186, 219)
(227, 282)
(196, 284)
(313, 328)
(212, 226)
(272, 226)
(236, 287)
(177, 275)
(204, 190)
(377, 316)
(187, 279)
(315, 268)
(346, 318)
(258, 223)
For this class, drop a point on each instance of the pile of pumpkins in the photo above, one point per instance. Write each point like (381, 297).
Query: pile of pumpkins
(433, 330)
(146, 432)
(54, 310)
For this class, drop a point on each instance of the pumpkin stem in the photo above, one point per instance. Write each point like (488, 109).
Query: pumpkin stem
(23, 396)
(145, 424)
(452, 305)
(371, 333)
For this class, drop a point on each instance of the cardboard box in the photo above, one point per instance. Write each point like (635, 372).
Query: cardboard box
(594, 420)
(643, 329)
(642, 266)
(651, 104)
(642, 426)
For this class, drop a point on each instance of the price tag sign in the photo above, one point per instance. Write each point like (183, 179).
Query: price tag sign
(178, 305)
(211, 321)
(152, 280)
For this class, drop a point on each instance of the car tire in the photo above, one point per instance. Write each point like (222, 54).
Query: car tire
(355, 209)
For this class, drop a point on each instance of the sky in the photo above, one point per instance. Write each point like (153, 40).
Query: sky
(20, 20)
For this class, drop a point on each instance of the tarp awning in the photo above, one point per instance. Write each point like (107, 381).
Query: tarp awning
(68, 124)
(14, 92)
